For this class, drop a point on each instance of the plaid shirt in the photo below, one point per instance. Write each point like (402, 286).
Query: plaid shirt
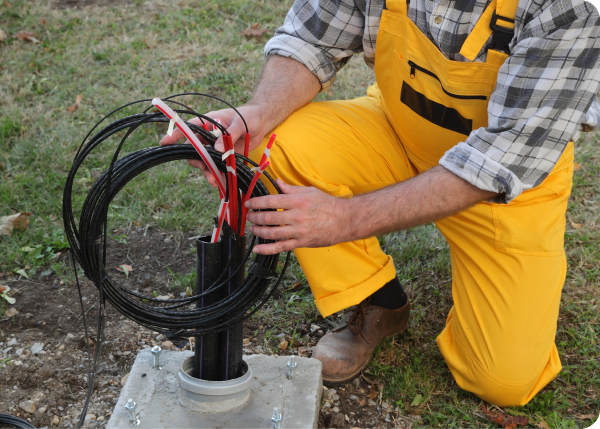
(543, 92)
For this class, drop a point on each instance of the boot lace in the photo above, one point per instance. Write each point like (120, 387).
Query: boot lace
(357, 319)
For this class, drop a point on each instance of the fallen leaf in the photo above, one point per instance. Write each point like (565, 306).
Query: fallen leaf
(373, 392)
(7, 3)
(43, 21)
(75, 106)
(417, 401)
(2, 36)
(576, 225)
(586, 416)
(254, 31)
(304, 351)
(576, 166)
(3, 293)
(283, 345)
(542, 424)
(27, 36)
(22, 272)
(18, 220)
(11, 312)
(512, 422)
(411, 410)
(165, 297)
(493, 416)
(125, 269)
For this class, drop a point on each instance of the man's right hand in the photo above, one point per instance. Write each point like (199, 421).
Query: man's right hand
(235, 126)
(285, 86)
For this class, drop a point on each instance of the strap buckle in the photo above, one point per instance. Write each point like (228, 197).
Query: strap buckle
(501, 36)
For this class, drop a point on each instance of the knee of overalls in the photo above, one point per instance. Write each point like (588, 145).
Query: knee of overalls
(505, 376)
(494, 386)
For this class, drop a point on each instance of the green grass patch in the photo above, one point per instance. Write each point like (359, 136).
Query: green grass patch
(113, 55)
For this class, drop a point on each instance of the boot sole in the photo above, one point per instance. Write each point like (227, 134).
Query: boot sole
(335, 382)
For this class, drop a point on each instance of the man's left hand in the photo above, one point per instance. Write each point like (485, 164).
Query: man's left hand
(307, 217)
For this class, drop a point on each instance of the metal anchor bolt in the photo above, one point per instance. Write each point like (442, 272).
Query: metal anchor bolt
(133, 420)
(292, 365)
(156, 354)
(277, 418)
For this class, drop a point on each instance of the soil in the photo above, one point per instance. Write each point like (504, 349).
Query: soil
(54, 379)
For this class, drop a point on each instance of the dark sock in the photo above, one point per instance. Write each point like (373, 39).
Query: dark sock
(390, 296)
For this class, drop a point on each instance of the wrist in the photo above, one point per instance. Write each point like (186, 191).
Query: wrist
(348, 220)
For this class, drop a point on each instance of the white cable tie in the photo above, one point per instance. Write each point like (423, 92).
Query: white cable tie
(230, 169)
(172, 122)
(267, 152)
(257, 169)
(226, 154)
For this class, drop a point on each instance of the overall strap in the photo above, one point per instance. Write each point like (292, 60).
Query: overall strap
(398, 6)
(498, 20)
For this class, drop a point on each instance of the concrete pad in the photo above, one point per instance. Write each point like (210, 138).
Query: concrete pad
(161, 402)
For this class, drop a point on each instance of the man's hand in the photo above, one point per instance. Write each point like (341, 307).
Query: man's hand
(310, 218)
(235, 126)
(285, 86)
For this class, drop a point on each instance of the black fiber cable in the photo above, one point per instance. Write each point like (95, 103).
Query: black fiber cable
(87, 236)
(5, 419)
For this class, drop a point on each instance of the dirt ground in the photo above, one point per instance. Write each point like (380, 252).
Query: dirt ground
(48, 353)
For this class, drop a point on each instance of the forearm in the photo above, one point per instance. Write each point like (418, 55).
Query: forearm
(430, 196)
(285, 86)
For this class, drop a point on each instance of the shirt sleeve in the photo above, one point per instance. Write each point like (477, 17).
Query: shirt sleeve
(321, 34)
(543, 92)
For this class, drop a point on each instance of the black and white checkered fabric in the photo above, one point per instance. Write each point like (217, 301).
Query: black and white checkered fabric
(542, 95)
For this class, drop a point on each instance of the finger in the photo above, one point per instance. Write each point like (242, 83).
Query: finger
(271, 202)
(196, 163)
(277, 247)
(274, 232)
(290, 189)
(238, 133)
(177, 134)
(271, 218)
(209, 178)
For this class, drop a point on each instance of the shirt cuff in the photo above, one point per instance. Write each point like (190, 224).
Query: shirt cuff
(483, 172)
(311, 56)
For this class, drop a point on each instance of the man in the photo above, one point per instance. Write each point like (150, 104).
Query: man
(470, 125)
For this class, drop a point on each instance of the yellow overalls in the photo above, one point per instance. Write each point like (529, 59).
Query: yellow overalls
(508, 261)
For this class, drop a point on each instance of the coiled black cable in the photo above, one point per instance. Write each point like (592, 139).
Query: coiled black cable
(5, 419)
(88, 237)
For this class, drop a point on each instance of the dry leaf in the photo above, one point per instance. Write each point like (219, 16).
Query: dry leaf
(43, 21)
(27, 36)
(576, 166)
(76, 105)
(11, 312)
(586, 416)
(18, 220)
(411, 410)
(2, 36)
(493, 416)
(512, 422)
(542, 424)
(283, 345)
(125, 269)
(254, 31)
(576, 225)
(3, 288)
(6, 3)
(373, 392)
(502, 419)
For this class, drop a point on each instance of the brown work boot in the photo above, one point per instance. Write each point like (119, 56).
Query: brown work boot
(347, 350)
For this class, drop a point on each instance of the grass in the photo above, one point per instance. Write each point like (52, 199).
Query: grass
(115, 54)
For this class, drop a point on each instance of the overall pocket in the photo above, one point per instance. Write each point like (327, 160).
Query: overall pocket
(534, 222)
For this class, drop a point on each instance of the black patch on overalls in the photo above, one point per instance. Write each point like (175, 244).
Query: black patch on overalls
(435, 113)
